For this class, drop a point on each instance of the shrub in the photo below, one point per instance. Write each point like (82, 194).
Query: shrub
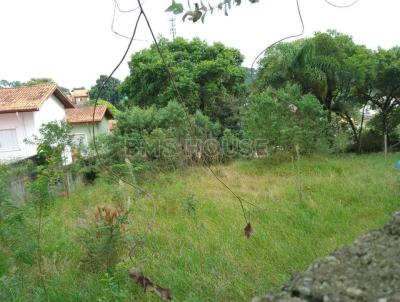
(103, 238)
(160, 135)
(4, 184)
(287, 119)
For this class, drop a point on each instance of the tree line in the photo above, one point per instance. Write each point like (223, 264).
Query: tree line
(311, 95)
(323, 93)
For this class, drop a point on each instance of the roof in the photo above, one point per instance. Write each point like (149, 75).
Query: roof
(80, 93)
(85, 114)
(30, 98)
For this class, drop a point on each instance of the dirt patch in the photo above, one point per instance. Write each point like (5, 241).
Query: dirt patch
(366, 270)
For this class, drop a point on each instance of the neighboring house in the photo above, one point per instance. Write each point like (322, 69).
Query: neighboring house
(23, 111)
(80, 96)
(81, 121)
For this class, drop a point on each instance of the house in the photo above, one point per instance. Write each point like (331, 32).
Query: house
(23, 111)
(80, 96)
(81, 121)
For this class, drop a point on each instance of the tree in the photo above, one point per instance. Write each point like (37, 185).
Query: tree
(385, 87)
(7, 84)
(110, 91)
(287, 119)
(209, 78)
(330, 66)
(38, 81)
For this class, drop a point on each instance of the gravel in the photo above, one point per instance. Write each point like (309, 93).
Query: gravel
(366, 270)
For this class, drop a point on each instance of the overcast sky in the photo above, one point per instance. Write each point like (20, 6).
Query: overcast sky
(71, 42)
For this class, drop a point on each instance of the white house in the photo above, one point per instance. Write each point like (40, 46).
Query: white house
(83, 122)
(23, 111)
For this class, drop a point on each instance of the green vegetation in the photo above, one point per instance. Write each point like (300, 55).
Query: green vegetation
(177, 223)
(209, 78)
(109, 92)
(189, 238)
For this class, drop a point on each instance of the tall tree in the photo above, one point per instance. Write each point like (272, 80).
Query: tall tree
(385, 90)
(329, 65)
(209, 78)
(110, 91)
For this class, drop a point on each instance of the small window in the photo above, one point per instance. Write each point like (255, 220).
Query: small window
(8, 140)
(80, 139)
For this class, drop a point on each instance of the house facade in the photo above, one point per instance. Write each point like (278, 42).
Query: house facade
(82, 122)
(80, 96)
(23, 111)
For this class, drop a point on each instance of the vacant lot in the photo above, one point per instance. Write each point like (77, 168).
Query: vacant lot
(190, 237)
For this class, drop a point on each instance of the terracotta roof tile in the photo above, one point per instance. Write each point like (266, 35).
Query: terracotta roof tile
(29, 98)
(85, 114)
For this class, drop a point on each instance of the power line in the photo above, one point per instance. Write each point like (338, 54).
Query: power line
(283, 39)
(95, 106)
(116, 7)
(341, 6)
(172, 80)
(126, 11)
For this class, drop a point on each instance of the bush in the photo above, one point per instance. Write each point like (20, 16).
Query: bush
(103, 238)
(371, 141)
(288, 120)
(160, 135)
(4, 184)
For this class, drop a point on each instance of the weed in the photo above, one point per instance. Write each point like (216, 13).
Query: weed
(103, 238)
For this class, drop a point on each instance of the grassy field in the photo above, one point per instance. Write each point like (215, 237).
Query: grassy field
(192, 234)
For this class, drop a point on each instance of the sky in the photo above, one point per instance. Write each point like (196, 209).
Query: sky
(71, 41)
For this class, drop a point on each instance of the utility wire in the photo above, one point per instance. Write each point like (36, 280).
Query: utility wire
(126, 11)
(302, 29)
(341, 6)
(95, 106)
(116, 7)
(172, 80)
(283, 39)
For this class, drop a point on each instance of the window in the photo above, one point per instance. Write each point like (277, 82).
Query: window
(8, 140)
(80, 139)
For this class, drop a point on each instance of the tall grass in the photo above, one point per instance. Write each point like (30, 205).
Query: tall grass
(190, 239)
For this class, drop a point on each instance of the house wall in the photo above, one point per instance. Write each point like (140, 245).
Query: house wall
(87, 130)
(51, 110)
(28, 124)
(23, 123)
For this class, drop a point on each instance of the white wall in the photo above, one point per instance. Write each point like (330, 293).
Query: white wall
(28, 124)
(23, 122)
(51, 110)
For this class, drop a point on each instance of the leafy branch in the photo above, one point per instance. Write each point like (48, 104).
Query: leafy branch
(200, 10)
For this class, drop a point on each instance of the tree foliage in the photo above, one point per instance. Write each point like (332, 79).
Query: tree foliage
(384, 92)
(330, 66)
(287, 119)
(209, 78)
(110, 91)
(158, 134)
